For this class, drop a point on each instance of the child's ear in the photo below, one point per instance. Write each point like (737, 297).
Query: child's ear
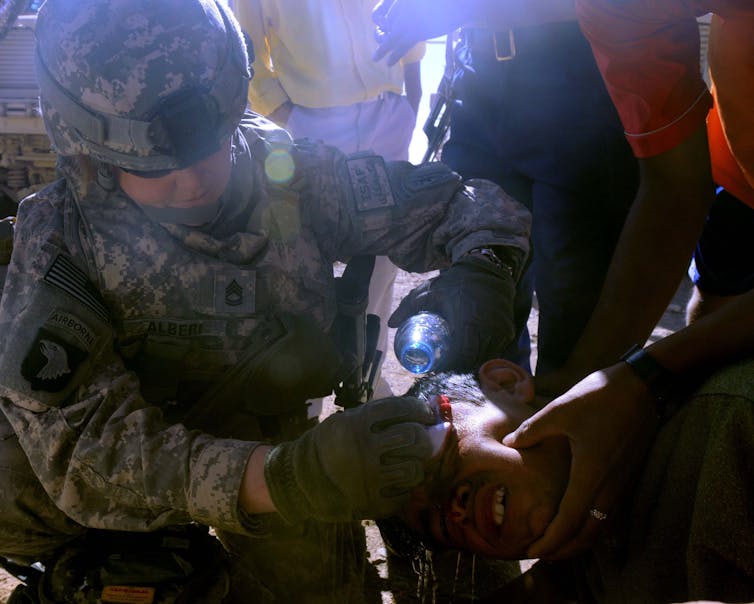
(502, 378)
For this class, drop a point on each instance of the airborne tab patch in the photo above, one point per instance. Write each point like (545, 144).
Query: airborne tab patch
(66, 322)
(370, 183)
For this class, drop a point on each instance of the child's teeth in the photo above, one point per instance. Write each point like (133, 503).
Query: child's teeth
(498, 510)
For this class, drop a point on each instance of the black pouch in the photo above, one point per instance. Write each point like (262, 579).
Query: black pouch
(181, 565)
(289, 361)
(303, 363)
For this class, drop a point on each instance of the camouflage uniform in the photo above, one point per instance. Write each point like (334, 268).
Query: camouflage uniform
(95, 283)
(114, 325)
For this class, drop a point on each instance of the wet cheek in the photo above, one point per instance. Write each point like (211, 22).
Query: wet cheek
(486, 452)
(500, 463)
(540, 518)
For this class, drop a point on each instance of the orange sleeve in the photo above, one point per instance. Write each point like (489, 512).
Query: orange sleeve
(731, 127)
(649, 58)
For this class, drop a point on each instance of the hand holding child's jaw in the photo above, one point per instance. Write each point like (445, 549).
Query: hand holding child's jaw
(609, 426)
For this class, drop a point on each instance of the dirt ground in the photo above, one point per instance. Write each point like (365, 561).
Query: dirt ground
(459, 578)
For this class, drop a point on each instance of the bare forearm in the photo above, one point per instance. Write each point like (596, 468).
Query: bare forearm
(254, 497)
(720, 337)
(652, 254)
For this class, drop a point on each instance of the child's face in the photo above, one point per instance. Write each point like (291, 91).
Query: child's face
(200, 184)
(498, 500)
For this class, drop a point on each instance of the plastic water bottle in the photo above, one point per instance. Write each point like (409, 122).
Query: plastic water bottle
(421, 342)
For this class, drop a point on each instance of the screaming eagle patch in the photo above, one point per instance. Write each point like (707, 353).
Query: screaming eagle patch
(51, 361)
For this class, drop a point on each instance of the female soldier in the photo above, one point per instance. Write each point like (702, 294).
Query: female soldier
(169, 302)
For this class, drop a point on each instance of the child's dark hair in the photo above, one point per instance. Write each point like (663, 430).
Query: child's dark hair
(456, 386)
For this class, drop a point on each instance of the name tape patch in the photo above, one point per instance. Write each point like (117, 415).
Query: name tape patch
(370, 183)
(174, 328)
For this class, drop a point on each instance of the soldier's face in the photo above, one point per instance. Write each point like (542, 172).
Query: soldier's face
(497, 501)
(200, 184)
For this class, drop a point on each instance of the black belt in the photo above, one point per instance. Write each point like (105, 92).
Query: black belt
(543, 39)
(501, 44)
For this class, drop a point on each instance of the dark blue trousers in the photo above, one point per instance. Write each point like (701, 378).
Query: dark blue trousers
(543, 127)
(723, 262)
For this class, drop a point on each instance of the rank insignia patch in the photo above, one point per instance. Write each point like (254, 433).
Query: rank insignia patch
(51, 362)
(234, 291)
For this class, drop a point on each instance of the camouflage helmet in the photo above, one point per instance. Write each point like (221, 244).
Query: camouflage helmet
(141, 84)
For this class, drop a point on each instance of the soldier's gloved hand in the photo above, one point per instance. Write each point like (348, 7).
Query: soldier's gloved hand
(475, 296)
(357, 464)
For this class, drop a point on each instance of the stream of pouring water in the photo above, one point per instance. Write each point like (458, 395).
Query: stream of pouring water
(427, 582)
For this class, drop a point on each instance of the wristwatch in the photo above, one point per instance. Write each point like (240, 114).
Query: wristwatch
(491, 255)
(658, 379)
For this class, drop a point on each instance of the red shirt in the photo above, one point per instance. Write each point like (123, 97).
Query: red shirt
(648, 52)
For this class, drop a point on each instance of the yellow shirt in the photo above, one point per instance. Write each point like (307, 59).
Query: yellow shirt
(316, 53)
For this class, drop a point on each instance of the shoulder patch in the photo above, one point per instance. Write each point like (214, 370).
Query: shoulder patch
(370, 183)
(51, 361)
(68, 277)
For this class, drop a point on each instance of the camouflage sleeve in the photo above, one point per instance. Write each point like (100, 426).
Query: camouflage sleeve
(423, 217)
(101, 452)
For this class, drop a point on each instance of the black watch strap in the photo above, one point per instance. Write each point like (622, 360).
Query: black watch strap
(492, 255)
(658, 379)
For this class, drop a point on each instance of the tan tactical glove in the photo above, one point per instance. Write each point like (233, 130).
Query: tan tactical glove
(357, 464)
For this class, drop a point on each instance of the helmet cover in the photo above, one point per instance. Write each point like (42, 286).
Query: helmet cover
(141, 84)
